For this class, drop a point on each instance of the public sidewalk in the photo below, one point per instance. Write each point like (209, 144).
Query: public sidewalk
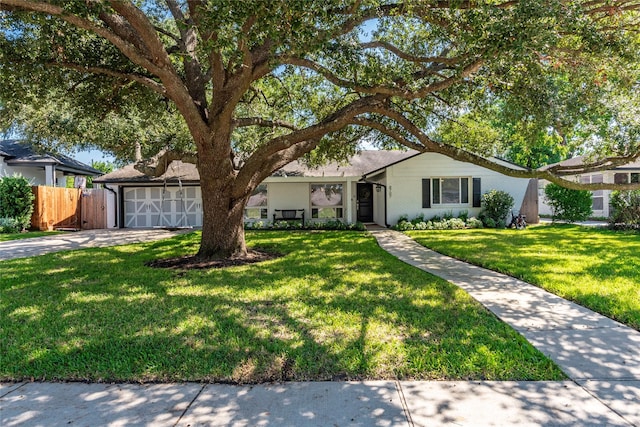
(602, 358)
(318, 404)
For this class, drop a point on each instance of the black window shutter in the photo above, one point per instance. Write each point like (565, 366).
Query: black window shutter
(426, 193)
(477, 193)
(464, 190)
(436, 191)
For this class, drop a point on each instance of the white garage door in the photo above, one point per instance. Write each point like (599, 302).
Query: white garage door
(160, 207)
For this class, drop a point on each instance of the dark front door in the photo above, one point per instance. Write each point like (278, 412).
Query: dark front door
(365, 202)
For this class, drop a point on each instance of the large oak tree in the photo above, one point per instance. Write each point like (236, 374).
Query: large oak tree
(256, 84)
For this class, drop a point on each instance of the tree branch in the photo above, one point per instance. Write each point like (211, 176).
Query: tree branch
(127, 46)
(607, 163)
(258, 121)
(379, 44)
(386, 130)
(398, 91)
(263, 160)
(469, 157)
(143, 27)
(168, 34)
(138, 78)
(158, 164)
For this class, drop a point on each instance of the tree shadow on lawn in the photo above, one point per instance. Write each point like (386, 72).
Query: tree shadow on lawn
(600, 267)
(335, 307)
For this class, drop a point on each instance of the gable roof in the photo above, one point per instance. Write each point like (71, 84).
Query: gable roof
(177, 169)
(356, 166)
(360, 164)
(412, 153)
(580, 160)
(22, 154)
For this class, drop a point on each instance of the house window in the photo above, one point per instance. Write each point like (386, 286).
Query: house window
(621, 178)
(597, 196)
(450, 191)
(626, 178)
(257, 205)
(326, 201)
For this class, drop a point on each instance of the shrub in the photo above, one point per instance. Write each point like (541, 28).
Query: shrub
(567, 204)
(286, 225)
(440, 225)
(447, 215)
(357, 226)
(464, 215)
(474, 222)
(16, 200)
(335, 224)
(420, 226)
(9, 225)
(418, 219)
(403, 225)
(456, 224)
(625, 208)
(298, 225)
(488, 222)
(497, 205)
(256, 225)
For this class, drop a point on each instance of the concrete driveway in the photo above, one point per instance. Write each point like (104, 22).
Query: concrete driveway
(81, 239)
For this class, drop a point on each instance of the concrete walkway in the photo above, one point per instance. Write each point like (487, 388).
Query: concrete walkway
(601, 357)
(598, 354)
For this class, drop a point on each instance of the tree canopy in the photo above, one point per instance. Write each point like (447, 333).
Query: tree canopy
(242, 88)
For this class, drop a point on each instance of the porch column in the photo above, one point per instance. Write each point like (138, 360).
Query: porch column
(349, 201)
(50, 175)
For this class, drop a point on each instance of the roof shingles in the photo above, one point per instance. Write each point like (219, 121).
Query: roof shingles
(19, 153)
(356, 166)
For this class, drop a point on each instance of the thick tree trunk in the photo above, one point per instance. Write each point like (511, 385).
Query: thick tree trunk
(223, 215)
(222, 222)
(222, 227)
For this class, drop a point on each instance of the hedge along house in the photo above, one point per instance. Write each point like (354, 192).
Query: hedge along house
(372, 187)
(18, 157)
(625, 174)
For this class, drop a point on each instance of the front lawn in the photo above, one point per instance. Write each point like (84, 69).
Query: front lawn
(597, 268)
(4, 237)
(335, 306)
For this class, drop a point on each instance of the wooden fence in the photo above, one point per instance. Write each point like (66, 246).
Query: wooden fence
(68, 208)
(93, 210)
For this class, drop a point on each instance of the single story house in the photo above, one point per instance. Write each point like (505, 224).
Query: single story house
(629, 173)
(18, 157)
(374, 186)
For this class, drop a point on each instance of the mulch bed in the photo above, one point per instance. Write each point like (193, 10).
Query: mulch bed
(192, 262)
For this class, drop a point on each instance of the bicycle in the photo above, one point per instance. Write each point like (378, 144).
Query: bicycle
(518, 221)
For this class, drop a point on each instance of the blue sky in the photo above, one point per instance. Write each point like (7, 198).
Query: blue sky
(86, 156)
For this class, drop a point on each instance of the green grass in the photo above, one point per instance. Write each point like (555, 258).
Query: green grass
(5, 237)
(597, 268)
(335, 306)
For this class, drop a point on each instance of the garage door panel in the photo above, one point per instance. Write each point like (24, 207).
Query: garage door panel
(157, 206)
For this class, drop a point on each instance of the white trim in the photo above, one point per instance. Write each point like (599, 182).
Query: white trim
(342, 206)
(452, 205)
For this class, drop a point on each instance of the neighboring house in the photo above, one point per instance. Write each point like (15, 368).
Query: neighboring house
(629, 173)
(372, 187)
(17, 157)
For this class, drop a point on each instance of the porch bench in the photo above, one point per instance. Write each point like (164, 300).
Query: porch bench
(288, 215)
